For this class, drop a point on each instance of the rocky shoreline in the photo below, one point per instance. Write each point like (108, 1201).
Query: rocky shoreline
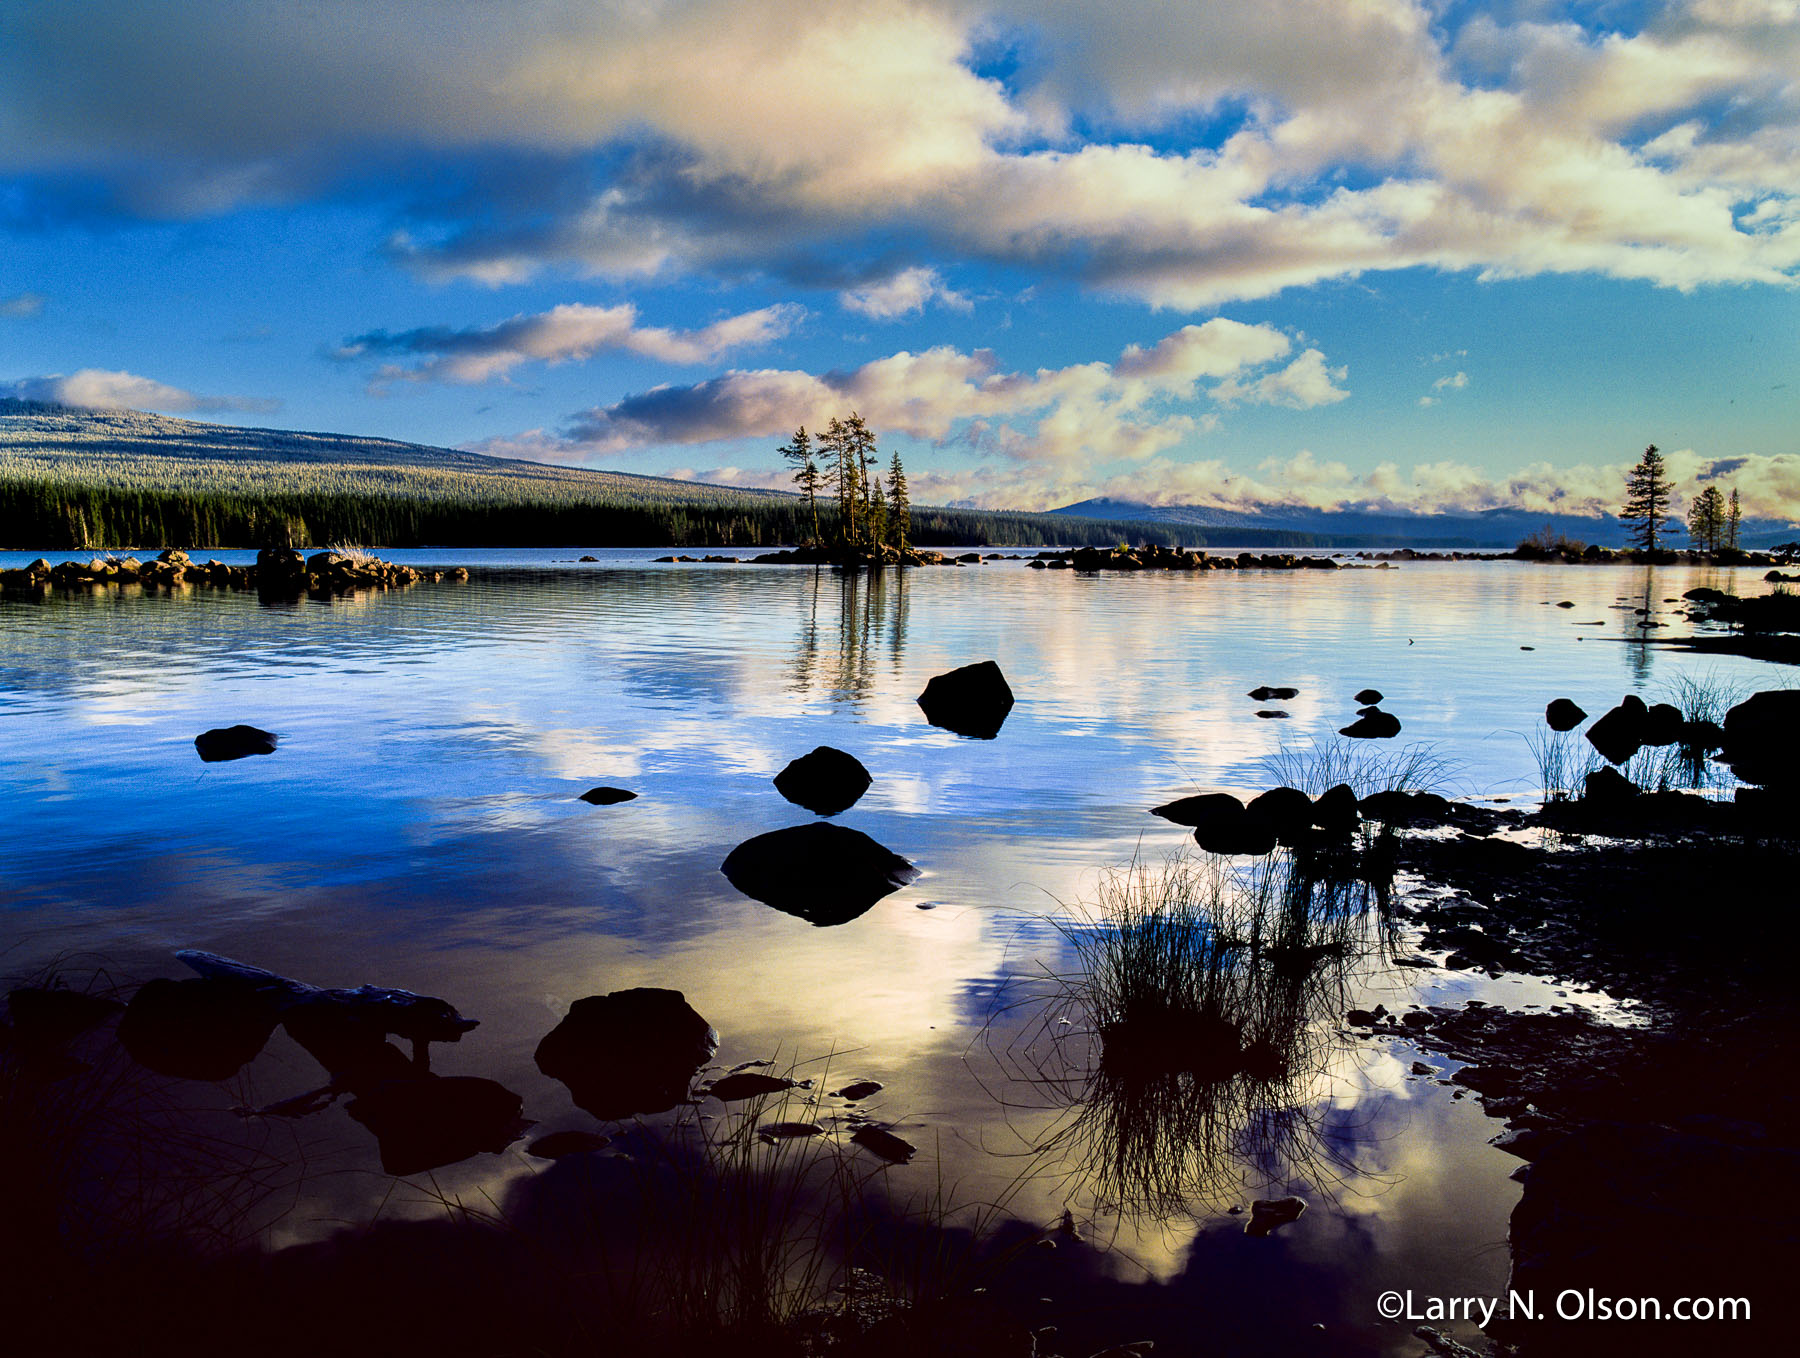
(277, 573)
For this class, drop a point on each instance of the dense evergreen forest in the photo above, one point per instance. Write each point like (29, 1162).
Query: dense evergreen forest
(41, 514)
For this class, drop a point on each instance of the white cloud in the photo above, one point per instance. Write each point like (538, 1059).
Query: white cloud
(1087, 413)
(566, 333)
(23, 306)
(1455, 381)
(905, 293)
(99, 389)
(1356, 135)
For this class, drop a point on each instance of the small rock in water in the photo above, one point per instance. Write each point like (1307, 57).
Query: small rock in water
(747, 1086)
(1269, 1214)
(558, 1144)
(825, 782)
(860, 1089)
(607, 796)
(1369, 696)
(233, 742)
(885, 1144)
(1272, 714)
(1266, 694)
(1374, 725)
(781, 1131)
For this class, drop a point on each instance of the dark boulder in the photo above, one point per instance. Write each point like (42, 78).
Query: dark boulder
(204, 1029)
(1203, 809)
(429, 1121)
(826, 874)
(857, 1090)
(1607, 787)
(1238, 835)
(971, 701)
(1369, 696)
(633, 1051)
(826, 781)
(878, 1141)
(233, 742)
(1762, 738)
(1562, 715)
(1375, 725)
(1619, 733)
(607, 796)
(1285, 810)
(1662, 724)
(1391, 807)
(1336, 810)
(1267, 694)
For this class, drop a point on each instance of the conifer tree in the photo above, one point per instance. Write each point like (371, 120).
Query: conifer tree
(806, 473)
(1734, 518)
(899, 505)
(1647, 488)
(1706, 519)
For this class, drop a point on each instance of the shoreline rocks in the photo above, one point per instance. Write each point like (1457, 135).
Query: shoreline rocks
(278, 573)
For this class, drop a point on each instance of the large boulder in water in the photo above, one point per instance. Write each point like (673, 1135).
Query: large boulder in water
(1221, 823)
(826, 781)
(825, 874)
(1620, 733)
(1662, 724)
(1762, 738)
(233, 742)
(1285, 810)
(1200, 810)
(633, 1051)
(971, 701)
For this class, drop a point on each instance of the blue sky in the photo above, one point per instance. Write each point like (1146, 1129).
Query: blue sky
(1325, 252)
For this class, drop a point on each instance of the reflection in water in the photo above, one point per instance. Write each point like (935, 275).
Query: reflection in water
(1190, 1043)
(870, 614)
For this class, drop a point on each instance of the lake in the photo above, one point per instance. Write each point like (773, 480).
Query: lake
(420, 827)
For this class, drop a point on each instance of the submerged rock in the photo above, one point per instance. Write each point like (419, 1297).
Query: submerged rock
(1619, 733)
(1562, 715)
(1286, 810)
(972, 701)
(559, 1145)
(826, 781)
(1266, 694)
(885, 1144)
(607, 796)
(233, 742)
(430, 1121)
(747, 1085)
(204, 1029)
(826, 874)
(628, 1052)
(860, 1089)
(1269, 1214)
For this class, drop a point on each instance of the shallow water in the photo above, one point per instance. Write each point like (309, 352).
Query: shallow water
(419, 827)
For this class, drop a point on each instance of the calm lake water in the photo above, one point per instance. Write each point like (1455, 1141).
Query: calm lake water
(420, 827)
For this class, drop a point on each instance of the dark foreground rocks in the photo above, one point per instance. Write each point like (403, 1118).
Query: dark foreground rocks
(233, 742)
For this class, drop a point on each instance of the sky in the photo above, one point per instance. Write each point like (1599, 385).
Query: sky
(1372, 253)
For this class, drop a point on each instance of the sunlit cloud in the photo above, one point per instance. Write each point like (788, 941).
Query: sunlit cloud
(98, 389)
(905, 293)
(567, 333)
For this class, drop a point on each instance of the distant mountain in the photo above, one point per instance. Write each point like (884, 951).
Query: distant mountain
(131, 449)
(1492, 528)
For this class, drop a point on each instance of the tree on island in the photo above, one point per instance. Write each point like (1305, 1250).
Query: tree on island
(900, 506)
(1647, 488)
(1734, 518)
(806, 474)
(849, 447)
(1706, 519)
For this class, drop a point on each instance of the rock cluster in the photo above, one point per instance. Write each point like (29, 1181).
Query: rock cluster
(277, 571)
(1158, 558)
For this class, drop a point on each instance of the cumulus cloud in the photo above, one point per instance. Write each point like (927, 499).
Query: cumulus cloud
(1344, 136)
(22, 306)
(99, 389)
(905, 293)
(1075, 416)
(563, 334)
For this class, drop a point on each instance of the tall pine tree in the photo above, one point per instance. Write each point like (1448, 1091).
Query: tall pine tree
(806, 474)
(899, 505)
(1647, 488)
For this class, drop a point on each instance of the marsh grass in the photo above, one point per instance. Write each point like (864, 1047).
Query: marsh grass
(1564, 760)
(1186, 1043)
(1367, 766)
